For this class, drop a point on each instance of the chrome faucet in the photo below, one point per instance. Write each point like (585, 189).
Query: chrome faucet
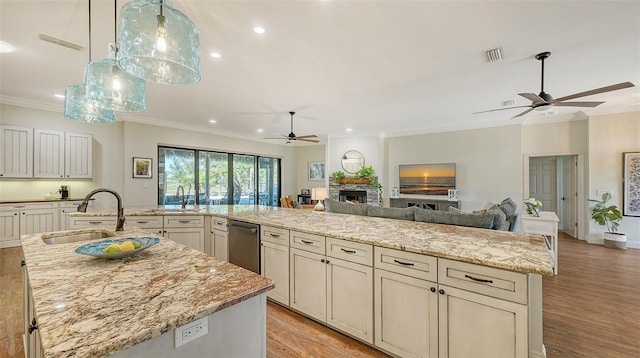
(82, 208)
(183, 201)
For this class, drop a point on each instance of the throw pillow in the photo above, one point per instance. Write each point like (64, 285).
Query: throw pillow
(335, 206)
(500, 220)
(391, 213)
(508, 206)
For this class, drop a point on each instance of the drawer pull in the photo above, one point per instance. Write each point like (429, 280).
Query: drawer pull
(403, 263)
(33, 326)
(142, 222)
(478, 279)
(348, 251)
(219, 223)
(274, 235)
(306, 242)
(95, 222)
(184, 221)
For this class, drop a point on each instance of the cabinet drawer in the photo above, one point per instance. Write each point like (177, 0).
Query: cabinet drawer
(350, 251)
(485, 280)
(274, 234)
(307, 242)
(29, 206)
(145, 222)
(183, 221)
(219, 224)
(94, 221)
(406, 263)
(539, 227)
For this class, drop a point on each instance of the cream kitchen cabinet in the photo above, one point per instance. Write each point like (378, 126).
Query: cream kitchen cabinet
(48, 154)
(406, 303)
(16, 144)
(86, 222)
(274, 261)
(20, 219)
(78, 156)
(67, 207)
(186, 230)
(335, 287)
(153, 223)
(219, 239)
(32, 347)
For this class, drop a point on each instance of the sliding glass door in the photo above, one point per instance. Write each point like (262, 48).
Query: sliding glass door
(268, 181)
(213, 179)
(176, 167)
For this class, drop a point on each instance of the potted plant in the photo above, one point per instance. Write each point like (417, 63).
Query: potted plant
(338, 176)
(365, 175)
(609, 216)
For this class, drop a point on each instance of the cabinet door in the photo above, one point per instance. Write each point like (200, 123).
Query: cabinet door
(16, 145)
(192, 237)
(39, 220)
(473, 325)
(406, 315)
(275, 265)
(220, 244)
(78, 155)
(350, 298)
(307, 283)
(48, 154)
(9, 228)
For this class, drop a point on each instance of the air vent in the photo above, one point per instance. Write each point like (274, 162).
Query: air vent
(508, 103)
(60, 42)
(494, 55)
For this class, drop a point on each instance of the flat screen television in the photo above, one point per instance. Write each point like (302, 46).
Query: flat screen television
(427, 179)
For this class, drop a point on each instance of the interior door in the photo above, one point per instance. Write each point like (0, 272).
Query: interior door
(543, 182)
(569, 219)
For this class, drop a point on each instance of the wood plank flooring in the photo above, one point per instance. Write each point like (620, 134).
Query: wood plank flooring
(590, 310)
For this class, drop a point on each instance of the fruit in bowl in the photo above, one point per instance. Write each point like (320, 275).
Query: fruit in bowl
(128, 245)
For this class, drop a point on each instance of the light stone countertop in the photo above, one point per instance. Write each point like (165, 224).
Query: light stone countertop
(518, 252)
(93, 307)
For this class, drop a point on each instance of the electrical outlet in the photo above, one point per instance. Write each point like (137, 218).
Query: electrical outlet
(191, 331)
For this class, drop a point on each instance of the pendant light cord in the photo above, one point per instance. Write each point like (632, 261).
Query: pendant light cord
(89, 30)
(115, 22)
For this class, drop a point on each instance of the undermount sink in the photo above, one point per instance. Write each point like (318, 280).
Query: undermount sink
(76, 237)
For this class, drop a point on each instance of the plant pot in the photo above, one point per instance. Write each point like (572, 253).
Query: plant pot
(615, 240)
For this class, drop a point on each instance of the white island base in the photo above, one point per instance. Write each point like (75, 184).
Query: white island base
(236, 331)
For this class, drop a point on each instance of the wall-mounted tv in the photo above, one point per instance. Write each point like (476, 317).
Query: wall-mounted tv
(427, 179)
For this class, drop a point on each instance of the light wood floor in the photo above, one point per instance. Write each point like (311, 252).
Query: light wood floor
(591, 309)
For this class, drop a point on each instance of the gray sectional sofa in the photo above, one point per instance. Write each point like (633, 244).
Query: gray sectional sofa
(501, 216)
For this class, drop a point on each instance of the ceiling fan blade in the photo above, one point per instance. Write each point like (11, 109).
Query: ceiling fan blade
(307, 136)
(615, 87)
(500, 109)
(534, 98)
(308, 140)
(578, 104)
(522, 113)
(283, 137)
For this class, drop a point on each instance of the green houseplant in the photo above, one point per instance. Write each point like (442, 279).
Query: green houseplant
(609, 216)
(338, 176)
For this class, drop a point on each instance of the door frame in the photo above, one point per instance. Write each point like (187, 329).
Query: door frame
(580, 201)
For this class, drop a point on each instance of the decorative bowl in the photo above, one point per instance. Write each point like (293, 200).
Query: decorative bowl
(96, 249)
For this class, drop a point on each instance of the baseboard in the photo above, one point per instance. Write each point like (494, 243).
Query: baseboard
(599, 240)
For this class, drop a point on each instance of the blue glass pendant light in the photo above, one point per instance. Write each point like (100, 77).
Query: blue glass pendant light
(158, 43)
(76, 105)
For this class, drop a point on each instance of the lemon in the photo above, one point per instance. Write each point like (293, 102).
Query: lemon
(136, 244)
(112, 248)
(127, 246)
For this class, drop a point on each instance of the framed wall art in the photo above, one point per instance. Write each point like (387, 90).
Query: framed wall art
(631, 197)
(142, 167)
(316, 171)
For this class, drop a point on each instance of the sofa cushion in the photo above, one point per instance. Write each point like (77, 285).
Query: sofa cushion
(391, 213)
(500, 221)
(508, 206)
(340, 207)
(484, 221)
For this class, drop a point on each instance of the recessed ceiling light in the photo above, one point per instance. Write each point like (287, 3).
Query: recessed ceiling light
(213, 121)
(216, 55)
(349, 129)
(260, 130)
(58, 95)
(259, 30)
(6, 48)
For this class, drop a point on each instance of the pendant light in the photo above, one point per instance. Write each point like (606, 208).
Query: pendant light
(158, 43)
(76, 104)
(111, 87)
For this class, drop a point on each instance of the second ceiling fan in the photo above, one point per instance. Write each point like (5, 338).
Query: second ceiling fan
(544, 100)
(292, 137)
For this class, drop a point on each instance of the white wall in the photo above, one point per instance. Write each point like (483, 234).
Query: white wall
(488, 162)
(303, 156)
(609, 137)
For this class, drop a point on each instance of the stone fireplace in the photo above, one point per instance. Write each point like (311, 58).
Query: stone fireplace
(354, 196)
(363, 193)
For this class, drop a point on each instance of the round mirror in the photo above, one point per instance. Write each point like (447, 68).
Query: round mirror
(352, 161)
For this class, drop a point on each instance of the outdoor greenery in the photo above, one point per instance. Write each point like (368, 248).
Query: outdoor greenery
(606, 215)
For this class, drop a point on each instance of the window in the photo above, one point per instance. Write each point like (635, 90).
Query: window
(222, 178)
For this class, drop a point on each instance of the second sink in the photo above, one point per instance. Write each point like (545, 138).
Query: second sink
(76, 237)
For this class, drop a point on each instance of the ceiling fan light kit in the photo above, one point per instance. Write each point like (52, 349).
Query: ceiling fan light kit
(292, 137)
(543, 101)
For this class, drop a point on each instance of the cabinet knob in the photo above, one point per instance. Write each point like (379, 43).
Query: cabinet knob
(321, 260)
(441, 291)
(327, 261)
(433, 289)
(22, 263)
(33, 326)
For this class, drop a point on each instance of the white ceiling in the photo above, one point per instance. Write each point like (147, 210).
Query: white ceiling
(393, 67)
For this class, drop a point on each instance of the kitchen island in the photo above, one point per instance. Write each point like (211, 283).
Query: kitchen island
(93, 307)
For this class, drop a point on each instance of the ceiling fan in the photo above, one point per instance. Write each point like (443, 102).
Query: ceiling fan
(544, 100)
(291, 137)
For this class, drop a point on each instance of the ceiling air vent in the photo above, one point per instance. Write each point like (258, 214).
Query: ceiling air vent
(60, 42)
(508, 103)
(494, 55)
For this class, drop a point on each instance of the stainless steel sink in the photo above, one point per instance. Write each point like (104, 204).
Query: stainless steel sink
(76, 237)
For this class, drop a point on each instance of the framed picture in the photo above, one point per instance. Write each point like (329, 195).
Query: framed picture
(316, 171)
(452, 195)
(305, 191)
(631, 197)
(142, 167)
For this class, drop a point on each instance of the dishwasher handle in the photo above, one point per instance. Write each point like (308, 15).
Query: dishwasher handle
(253, 231)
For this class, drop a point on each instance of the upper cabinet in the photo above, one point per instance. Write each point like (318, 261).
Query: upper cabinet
(16, 160)
(45, 154)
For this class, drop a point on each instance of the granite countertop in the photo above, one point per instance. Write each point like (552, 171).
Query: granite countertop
(92, 307)
(518, 252)
(40, 201)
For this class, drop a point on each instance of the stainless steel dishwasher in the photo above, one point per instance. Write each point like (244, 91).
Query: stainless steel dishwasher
(244, 245)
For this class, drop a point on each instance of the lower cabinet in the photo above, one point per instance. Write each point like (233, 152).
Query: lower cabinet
(20, 219)
(32, 347)
(274, 264)
(219, 239)
(186, 230)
